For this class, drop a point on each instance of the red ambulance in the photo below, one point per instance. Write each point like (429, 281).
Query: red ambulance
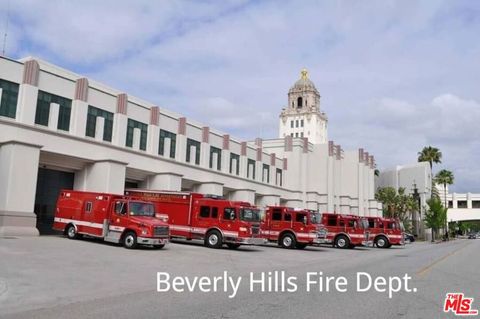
(114, 218)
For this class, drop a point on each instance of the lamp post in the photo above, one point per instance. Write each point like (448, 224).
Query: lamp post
(416, 196)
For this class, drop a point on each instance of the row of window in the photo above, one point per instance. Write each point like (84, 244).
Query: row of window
(287, 216)
(167, 140)
(463, 204)
(298, 123)
(296, 134)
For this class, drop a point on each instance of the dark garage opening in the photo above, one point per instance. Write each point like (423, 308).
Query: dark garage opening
(49, 184)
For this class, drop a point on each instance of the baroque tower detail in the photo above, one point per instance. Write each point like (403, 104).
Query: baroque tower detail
(302, 116)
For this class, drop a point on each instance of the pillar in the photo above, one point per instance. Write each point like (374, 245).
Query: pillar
(107, 176)
(211, 188)
(153, 134)
(78, 121)
(243, 195)
(18, 183)
(163, 181)
(268, 200)
(120, 121)
(28, 93)
(181, 147)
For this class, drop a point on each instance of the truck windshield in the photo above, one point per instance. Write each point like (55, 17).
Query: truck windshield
(141, 209)
(315, 218)
(249, 215)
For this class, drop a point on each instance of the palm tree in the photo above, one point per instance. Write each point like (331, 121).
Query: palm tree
(430, 154)
(444, 177)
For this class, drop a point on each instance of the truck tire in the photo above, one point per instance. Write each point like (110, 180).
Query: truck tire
(71, 232)
(233, 246)
(130, 240)
(342, 242)
(301, 246)
(288, 241)
(214, 239)
(382, 242)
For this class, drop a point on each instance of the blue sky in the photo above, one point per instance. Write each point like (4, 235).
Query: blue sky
(394, 76)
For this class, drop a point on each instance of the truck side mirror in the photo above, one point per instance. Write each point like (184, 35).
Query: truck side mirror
(232, 216)
(304, 220)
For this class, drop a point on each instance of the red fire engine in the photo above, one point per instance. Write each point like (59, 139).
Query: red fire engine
(210, 218)
(386, 232)
(346, 231)
(293, 228)
(116, 219)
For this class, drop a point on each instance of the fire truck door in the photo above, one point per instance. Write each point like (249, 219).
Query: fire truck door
(115, 224)
(275, 224)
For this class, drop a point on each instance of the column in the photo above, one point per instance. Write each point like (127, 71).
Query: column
(205, 148)
(211, 188)
(243, 195)
(268, 200)
(106, 176)
(181, 147)
(153, 134)
(28, 93)
(18, 184)
(163, 181)
(226, 156)
(120, 121)
(78, 122)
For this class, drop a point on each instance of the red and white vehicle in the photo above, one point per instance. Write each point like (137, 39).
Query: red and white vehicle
(346, 231)
(292, 227)
(214, 220)
(116, 219)
(386, 232)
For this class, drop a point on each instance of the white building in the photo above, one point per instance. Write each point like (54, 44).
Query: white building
(416, 179)
(61, 130)
(461, 207)
(302, 116)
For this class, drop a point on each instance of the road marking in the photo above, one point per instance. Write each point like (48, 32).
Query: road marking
(427, 268)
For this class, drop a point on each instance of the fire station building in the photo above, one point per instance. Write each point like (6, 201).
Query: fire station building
(62, 130)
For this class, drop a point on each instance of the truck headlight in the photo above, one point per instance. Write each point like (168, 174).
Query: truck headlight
(243, 229)
(144, 231)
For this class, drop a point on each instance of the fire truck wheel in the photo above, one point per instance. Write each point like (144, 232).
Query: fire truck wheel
(130, 240)
(233, 246)
(382, 242)
(342, 241)
(300, 246)
(71, 232)
(288, 241)
(214, 239)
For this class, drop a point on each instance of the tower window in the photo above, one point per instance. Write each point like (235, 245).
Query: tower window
(296, 123)
(299, 102)
(301, 134)
(296, 134)
(301, 123)
(291, 124)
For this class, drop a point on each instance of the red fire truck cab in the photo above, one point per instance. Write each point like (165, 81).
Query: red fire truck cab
(292, 227)
(209, 218)
(116, 219)
(386, 232)
(346, 231)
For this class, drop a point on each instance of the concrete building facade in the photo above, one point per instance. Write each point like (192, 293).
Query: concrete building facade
(461, 206)
(62, 130)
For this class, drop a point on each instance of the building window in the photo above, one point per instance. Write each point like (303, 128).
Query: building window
(131, 126)
(279, 177)
(296, 123)
(234, 160)
(215, 152)
(299, 102)
(291, 124)
(42, 113)
(266, 173)
(165, 136)
(291, 134)
(296, 134)
(475, 203)
(193, 144)
(462, 204)
(450, 204)
(251, 169)
(301, 134)
(301, 123)
(9, 97)
(92, 115)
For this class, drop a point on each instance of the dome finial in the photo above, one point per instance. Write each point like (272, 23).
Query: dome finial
(304, 74)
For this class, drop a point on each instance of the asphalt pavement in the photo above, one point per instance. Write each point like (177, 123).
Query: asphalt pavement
(53, 277)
